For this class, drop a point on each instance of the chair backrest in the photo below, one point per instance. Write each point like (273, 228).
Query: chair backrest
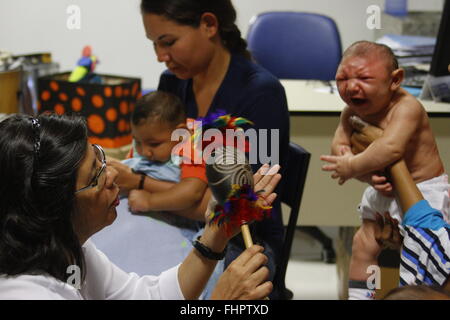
(296, 45)
(293, 185)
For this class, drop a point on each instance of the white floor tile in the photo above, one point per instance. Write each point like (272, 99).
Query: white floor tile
(312, 280)
(307, 276)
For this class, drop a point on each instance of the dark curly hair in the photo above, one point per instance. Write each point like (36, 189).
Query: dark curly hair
(159, 106)
(189, 12)
(418, 292)
(37, 186)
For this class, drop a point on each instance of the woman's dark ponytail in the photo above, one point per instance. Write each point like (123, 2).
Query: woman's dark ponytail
(233, 40)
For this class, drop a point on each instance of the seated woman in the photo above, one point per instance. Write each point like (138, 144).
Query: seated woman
(57, 192)
(210, 69)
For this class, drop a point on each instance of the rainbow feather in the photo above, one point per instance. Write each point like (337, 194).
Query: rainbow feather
(241, 207)
(217, 120)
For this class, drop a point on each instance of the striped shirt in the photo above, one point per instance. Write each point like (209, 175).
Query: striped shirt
(425, 256)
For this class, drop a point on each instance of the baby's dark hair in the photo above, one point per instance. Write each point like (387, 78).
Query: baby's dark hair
(418, 292)
(159, 106)
(364, 48)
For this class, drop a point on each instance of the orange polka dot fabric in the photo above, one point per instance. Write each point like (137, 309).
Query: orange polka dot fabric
(107, 108)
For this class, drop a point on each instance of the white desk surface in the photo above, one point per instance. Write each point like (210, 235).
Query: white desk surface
(310, 96)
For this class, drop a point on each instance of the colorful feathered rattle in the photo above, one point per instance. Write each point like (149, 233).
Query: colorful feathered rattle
(230, 179)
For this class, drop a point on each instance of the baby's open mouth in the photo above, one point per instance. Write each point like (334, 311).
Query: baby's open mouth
(358, 101)
(116, 201)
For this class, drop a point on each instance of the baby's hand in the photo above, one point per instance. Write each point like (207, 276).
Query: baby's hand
(382, 185)
(126, 179)
(387, 231)
(139, 201)
(341, 165)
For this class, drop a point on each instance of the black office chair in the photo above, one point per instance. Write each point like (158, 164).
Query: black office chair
(293, 184)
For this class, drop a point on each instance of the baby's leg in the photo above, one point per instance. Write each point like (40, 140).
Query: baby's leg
(365, 251)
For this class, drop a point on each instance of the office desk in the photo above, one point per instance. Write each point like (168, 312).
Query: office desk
(314, 118)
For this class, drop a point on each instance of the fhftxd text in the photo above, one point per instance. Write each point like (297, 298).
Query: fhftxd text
(227, 309)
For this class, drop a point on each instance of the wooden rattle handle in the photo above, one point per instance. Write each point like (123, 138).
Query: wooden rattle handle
(245, 230)
(246, 235)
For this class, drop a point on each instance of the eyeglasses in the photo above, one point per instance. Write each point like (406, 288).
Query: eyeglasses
(100, 177)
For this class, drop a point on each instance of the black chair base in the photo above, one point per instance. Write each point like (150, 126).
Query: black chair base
(328, 255)
(288, 294)
(281, 293)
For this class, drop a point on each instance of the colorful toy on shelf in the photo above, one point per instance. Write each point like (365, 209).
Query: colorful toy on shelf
(84, 71)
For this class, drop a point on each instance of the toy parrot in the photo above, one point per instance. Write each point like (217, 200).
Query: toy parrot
(84, 71)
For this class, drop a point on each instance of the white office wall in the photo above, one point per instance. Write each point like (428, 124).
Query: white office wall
(114, 29)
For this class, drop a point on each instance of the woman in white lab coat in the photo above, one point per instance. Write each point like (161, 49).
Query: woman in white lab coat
(57, 192)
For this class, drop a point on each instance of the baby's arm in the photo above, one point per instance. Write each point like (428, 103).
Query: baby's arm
(129, 180)
(197, 211)
(387, 149)
(181, 196)
(342, 134)
(342, 141)
(391, 146)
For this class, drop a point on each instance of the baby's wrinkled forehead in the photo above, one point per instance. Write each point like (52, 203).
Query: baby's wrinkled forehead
(371, 50)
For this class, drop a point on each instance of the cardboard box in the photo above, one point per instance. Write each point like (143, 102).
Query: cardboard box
(9, 91)
(107, 107)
